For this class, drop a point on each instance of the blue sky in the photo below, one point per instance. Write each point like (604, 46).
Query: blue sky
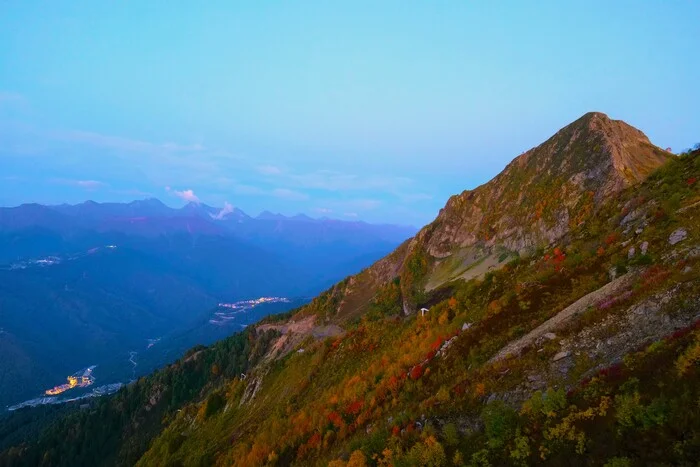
(371, 110)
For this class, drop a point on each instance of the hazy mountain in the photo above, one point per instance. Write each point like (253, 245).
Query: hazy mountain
(102, 278)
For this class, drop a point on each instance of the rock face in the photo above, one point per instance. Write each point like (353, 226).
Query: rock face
(548, 189)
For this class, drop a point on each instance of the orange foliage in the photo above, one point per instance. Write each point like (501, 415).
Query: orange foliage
(354, 408)
(612, 238)
(335, 418)
(655, 275)
(495, 307)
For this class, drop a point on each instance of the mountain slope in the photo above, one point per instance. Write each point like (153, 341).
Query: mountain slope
(544, 341)
(428, 390)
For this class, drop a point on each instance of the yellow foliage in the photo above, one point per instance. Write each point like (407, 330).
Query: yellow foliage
(386, 459)
(689, 358)
(272, 458)
(566, 429)
(443, 395)
(357, 459)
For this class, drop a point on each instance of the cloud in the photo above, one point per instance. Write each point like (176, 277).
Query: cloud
(364, 204)
(335, 181)
(90, 185)
(133, 192)
(183, 147)
(289, 194)
(330, 180)
(409, 197)
(269, 170)
(185, 195)
(227, 209)
(127, 144)
(350, 214)
(323, 210)
(248, 190)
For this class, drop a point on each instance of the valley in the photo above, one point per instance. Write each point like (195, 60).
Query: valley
(107, 278)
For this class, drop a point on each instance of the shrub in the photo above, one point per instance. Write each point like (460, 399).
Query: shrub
(215, 402)
(500, 422)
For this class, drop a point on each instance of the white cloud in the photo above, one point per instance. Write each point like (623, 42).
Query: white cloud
(269, 170)
(183, 147)
(248, 190)
(185, 195)
(350, 214)
(289, 194)
(227, 209)
(323, 210)
(134, 192)
(335, 181)
(90, 185)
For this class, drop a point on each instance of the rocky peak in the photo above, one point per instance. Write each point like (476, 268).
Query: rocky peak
(547, 190)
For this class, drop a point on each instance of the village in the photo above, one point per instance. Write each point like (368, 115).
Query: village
(232, 309)
(81, 379)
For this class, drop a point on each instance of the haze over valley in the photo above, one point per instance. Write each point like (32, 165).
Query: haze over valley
(91, 283)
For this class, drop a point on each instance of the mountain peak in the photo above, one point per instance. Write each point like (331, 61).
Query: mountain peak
(547, 190)
(267, 215)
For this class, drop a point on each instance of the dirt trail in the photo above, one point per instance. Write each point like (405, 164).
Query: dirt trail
(294, 332)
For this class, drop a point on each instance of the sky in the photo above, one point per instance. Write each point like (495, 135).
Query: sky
(353, 110)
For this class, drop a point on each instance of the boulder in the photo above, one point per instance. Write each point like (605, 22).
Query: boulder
(678, 235)
(644, 247)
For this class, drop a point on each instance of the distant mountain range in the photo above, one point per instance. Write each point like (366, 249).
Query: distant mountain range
(86, 284)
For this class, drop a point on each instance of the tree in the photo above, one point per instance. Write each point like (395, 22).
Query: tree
(357, 459)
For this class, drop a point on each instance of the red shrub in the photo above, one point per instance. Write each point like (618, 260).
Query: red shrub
(614, 371)
(314, 441)
(416, 372)
(612, 238)
(354, 408)
(335, 419)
